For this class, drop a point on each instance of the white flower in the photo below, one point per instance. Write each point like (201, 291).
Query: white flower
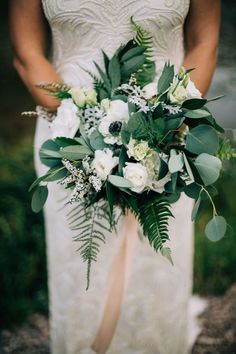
(104, 162)
(179, 94)
(138, 150)
(117, 113)
(192, 91)
(137, 174)
(159, 185)
(83, 96)
(150, 90)
(67, 121)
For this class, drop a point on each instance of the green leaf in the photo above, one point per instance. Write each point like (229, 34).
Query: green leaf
(132, 53)
(166, 252)
(123, 158)
(50, 161)
(216, 228)
(132, 65)
(55, 174)
(176, 161)
(197, 113)
(114, 72)
(106, 60)
(104, 77)
(110, 199)
(119, 181)
(62, 141)
(196, 208)
(202, 139)
(75, 152)
(188, 168)
(39, 198)
(158, 111)
(166, 78)
(208, 167)
(194, 103)
(97, 140)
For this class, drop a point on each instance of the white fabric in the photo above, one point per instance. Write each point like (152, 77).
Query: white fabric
(154, 316)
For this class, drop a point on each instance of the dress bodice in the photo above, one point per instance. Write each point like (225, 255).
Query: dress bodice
(81, 28)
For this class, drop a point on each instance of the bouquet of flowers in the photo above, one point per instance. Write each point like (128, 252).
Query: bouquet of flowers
(133, 143)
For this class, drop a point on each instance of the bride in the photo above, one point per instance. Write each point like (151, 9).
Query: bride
(137, 302)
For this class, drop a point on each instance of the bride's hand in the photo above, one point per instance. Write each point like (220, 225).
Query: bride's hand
(28, 31)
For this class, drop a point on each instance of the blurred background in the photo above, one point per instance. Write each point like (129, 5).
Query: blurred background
(23, 278)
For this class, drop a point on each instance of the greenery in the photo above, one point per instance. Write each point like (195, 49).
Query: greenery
(22, 245)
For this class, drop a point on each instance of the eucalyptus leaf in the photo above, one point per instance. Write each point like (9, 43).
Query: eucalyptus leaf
(56, 174)
(166, 252)
(75, 152)
(119, 181)
(208, 167)
(96, 140)
(216, 228)
(50, 161)
(202, 139)
(197, 113)
(63, 141)
(39, 198)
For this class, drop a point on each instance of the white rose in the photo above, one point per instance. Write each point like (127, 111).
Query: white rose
(118, 112)
(67, 121)
(179, 94)
(192, 91)
(83, 96)
(150, 90)
(138, 150)
(137, 174)
(104, 162)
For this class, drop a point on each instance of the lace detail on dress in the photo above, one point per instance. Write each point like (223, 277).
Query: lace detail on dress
(80, 28)
(154, 315)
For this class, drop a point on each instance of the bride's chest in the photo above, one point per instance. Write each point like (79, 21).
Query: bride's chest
(114, 13)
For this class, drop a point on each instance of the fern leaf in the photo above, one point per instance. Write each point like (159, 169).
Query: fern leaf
(144, 40)
(97, 83)
(153, 216)
(92, 224)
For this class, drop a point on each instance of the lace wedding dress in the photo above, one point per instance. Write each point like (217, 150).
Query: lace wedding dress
(154, 310)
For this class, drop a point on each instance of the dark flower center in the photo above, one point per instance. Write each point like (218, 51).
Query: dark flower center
(115, 128)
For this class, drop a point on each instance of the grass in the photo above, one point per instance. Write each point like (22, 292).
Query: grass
(22, 244)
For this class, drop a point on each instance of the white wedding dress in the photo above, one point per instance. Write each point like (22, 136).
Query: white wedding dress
(154, 310)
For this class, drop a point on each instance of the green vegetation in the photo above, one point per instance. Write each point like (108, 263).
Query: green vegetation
(22, 244)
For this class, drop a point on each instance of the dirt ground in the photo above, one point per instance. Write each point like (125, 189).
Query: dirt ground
(218, 335)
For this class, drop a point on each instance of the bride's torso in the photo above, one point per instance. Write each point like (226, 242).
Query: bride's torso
(81, 28)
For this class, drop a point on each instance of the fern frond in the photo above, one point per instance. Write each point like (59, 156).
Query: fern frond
(144, 39)
(92, 224)
(97, 83)
(154, 216)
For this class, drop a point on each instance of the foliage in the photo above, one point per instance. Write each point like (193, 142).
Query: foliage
(22, 245)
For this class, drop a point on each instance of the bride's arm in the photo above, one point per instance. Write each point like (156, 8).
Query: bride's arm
(201, 40)
(29, 40)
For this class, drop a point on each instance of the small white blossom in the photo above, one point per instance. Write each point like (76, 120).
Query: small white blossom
(104, 162)
(67, 120)
(137, 174)
(96, 182)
